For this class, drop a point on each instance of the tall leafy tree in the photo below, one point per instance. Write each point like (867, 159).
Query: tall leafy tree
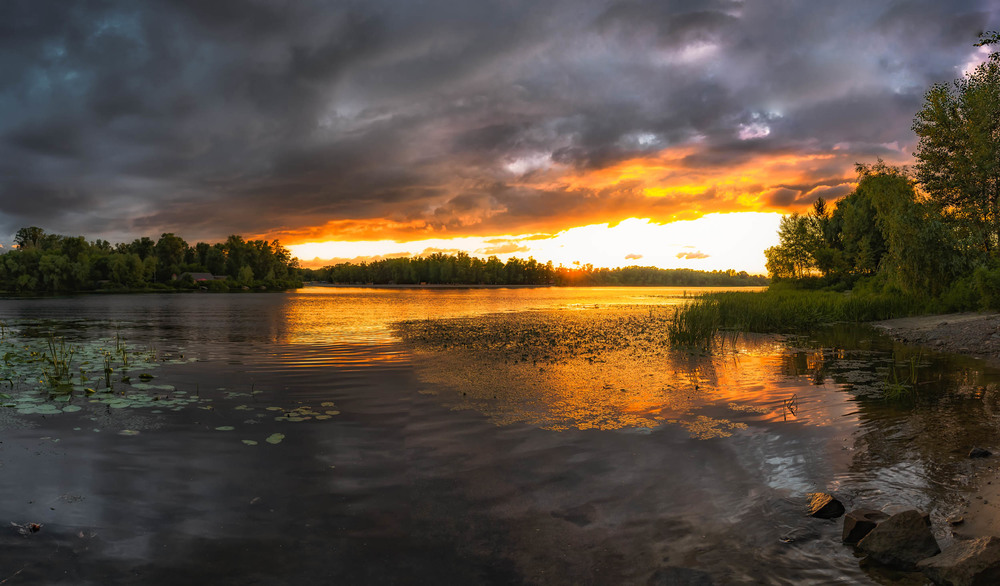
(923, 254)
(30, 237)
(958, 155)
(170, 251)
(799, 236)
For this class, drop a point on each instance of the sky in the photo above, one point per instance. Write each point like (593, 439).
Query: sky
(666, 133)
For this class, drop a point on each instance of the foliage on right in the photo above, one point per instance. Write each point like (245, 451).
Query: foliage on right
(931, 234)
(958, 156)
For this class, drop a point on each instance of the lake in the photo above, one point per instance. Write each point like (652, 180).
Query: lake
(473, 436)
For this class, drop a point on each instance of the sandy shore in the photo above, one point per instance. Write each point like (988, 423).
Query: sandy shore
(972, 334)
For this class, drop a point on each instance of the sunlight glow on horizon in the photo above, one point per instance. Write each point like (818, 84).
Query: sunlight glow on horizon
(717, 241)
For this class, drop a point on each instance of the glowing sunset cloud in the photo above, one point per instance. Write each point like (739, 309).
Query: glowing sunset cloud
(314, 121)
(730, 215)
(712, 242)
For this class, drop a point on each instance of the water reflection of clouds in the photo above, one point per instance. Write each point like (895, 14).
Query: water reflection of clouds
(365, 315)
(564, 370)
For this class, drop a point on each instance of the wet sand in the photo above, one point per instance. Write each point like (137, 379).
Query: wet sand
(981, 516)
(971, 334)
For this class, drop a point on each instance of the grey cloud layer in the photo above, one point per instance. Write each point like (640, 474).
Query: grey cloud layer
(206, 118)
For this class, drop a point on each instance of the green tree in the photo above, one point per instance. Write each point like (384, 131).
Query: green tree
(215, 260)
(923, 254)
(29, 237)
(170, 251)
(799, 237)
(245, 277)
(990, 38)
(859, 235)
(958, 154)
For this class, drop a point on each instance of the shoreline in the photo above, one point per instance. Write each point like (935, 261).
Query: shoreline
(551, 286)
(970, 333)
(976, 335)
(424, 286)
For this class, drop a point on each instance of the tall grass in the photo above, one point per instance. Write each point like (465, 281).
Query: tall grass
(59, 358)
(732, 312)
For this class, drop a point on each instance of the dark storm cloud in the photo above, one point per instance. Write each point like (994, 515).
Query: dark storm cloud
(122, 118)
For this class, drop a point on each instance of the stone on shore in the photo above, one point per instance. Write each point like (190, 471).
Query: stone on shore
(859, 523)
(824, 506)
(965, 563)
(978, 452)
(901, 541)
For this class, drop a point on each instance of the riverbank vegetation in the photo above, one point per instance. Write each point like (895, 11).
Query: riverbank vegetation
(905, 241)
(52, 263)
(462, 269)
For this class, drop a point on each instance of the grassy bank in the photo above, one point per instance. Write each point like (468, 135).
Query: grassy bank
(780, 310)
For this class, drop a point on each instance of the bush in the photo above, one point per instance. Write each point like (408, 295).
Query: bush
(962, 295)
(217, 286)
(987, 282)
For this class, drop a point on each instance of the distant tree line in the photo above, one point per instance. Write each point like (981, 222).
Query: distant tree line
(931, 232)
(54, 263)
(463, 269)
(642, 276)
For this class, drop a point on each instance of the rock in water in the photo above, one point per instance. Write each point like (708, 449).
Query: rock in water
(859, 523)
(824, 506)
(965, 563)
(979, 453)
(901, 541)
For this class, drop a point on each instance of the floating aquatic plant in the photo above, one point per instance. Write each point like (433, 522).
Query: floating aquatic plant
(44, 374)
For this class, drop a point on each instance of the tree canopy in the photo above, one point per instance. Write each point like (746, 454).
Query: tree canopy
(933, 232)
(462, 269)
(958, 154)
(54, 263)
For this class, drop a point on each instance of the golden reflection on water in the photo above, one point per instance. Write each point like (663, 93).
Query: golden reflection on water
(353, 327)
(333, 314)
(610, 369)
(561, 358)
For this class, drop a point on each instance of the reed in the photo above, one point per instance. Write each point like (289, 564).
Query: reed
(779, 311)
(58, 357)
(108, 369)
(902, 387)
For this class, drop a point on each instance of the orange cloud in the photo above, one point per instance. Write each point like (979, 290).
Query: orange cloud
(508, 248)
(682, 183)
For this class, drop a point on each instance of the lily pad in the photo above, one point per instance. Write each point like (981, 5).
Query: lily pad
(225, 428)
(275, 438)
(252, 442)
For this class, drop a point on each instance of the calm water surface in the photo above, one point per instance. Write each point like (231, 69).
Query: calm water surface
(598, 459)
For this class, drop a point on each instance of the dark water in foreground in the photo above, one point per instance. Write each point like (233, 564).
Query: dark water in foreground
(402, 462)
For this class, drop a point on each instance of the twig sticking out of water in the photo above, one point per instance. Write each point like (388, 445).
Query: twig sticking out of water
(790, 405)
(14, 575)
